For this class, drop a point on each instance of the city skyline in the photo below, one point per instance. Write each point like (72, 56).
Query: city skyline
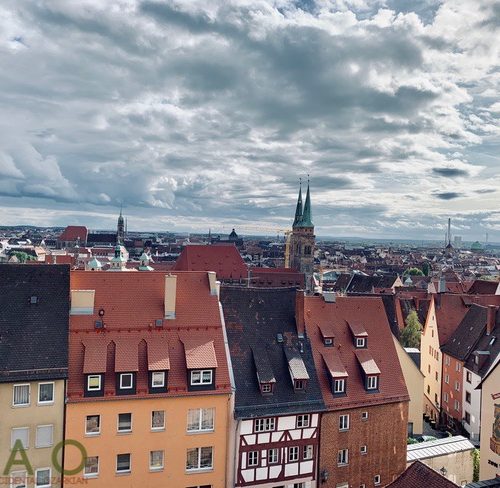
(198, 116)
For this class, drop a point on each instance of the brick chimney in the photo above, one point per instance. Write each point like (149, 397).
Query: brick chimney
(170, 296)
(491, 319)
(299, 312)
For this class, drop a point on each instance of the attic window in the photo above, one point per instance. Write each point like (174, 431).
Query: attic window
(266, 388)
(299, 384)
(360, 342)
(492, 341)
(33, 300)
(328, 341)
(279, 338)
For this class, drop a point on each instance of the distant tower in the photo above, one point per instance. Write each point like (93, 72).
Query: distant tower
(449, 247)
(120, 229)
(302, 239)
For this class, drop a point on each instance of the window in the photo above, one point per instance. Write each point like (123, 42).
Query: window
(21, 395)
(293, 454)
(436, 375)
(93, 425)
(457, 405)
(199, 458)
(447, 379)
(273, 456)
(94, 382)
(158, 420)
(266, 388)
(445, 397)
(158, 379)
(123, 463)
(124, 422)
(364, 415)
(307, 452)
(45, 393)
(371, 382)
(447, 360)
(264, 425)
(467, 417)
(458, 366)
(457, 386)
(126, 381)
(360, 342)
(20, 434)
(299, 384)
(156, 460)
(91, 469)
(344, 422)
(468, 377)
(201, 420)
(18, 479)
(428, 389)
(343, 457)
(299, 485)
(303, 421)
(201, 377)
(253, 458)
(42, 477)
(328, 341)
(364, 449)
(376, 479)
(44, 436)
(429, 368)
(339, 386)
(467, 397)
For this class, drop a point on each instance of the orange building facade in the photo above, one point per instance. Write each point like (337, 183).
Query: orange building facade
(149, 389)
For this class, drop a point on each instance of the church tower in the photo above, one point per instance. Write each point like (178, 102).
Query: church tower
(120, 229)
(302, 239)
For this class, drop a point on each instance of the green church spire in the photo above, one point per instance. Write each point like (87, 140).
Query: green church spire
(298, 210)
(307, 215)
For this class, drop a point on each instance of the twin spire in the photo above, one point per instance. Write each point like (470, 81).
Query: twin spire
(303, 216)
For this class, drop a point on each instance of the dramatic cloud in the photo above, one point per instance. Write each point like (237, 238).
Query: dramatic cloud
(201, 114)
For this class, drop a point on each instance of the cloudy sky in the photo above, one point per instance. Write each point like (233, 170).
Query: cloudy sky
(205, 114)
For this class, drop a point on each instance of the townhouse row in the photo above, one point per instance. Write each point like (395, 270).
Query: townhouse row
(151, 379)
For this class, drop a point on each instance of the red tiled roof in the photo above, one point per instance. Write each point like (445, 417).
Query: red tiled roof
(95, 356)
(419, 475)
(326, 331)
(199, 353)
(73, 233)
(357, 329)
(158, 359)
(334, 363)
(367, 362)
(126, 355)
(130, 304)
(370, 313)
(225, 260)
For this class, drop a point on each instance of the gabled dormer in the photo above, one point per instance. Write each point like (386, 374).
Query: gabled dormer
(297, 369)
(265, 375)
(359, 335)
(369, 371)
(201, 364)
(327, 335)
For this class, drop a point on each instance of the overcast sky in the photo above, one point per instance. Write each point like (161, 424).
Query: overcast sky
(205, 114)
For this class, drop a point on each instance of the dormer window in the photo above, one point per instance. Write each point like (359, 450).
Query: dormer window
(201, 363)
(372, 382)
(359, 335)
(339, 386)
(327, 335)
(94, 385)
(297, 369)
(201, 377)
(328, 341)
(370, 370)
(158, 366)
(336, 371)
(266, 388)
(299, 384)
(360, 342)
(125, 384)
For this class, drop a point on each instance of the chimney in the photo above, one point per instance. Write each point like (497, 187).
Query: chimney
(170, 296)
(442, 285)
(212, 282)
(491, 319)
(299, 313)
(329, 296)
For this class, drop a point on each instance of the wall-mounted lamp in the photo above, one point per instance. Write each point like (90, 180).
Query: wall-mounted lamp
(443, 471)
(324, 476)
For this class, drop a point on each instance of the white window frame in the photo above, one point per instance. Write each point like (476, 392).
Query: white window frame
(157, 373)
(199, 468)
(303, 421)
(458, 367)
(293, 454)
(90, 475)
(164, 421)
(447, 379)
(124, 431)
(50, 477)
(447, 360)
(376, 480)
(129, 470)
(14, 395)
(201, 414)
(89, 377)
(131, 375)
(253, 459)
(360, 342)
(343, 457)
(457, 385)
(92, 433)
(328, 341)
(364, 416)
(339, 385)
(27, 429)
(157, 468)
(344, 421)
(267, 424)
(51, 437)
(445, 397)
(201, 372)
(457, 405)
(372, 382)
(275, 457)
(468, 377)
(307, 452)
(47, 402)
(364, 449)
(266, 388)
(22, 476)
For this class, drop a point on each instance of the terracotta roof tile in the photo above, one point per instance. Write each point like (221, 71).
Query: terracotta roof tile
(95, 356)
(419, 475)
(367, 362)
(73, 233)
(126, 354)
(357, 329)
(200, 353)
(334, 364)
(158, 359)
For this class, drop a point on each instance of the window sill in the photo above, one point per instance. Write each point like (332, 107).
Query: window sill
(156, 470)
(123, 473)
(24, 405)
(158, 429)
(342, 465)
(123, 432)
(92, 434)
(45, 404)
(199, 470)
(344, 430)
(195, 432)
(90, 476)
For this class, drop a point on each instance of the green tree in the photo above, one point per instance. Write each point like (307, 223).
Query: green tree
(21, 256)
(410, 335)
(475, 462)
(413, 272)
(426, 268)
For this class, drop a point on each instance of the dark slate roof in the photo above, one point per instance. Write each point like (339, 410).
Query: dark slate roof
(254, 318)
(493, 483)
(483, 287)
(488, 343)
(33, 336)
(463, 341)
(96, 238)
(366, 284)
(342, 282)
(419, 475)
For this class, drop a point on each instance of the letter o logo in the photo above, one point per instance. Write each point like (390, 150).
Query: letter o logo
(65, 443)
